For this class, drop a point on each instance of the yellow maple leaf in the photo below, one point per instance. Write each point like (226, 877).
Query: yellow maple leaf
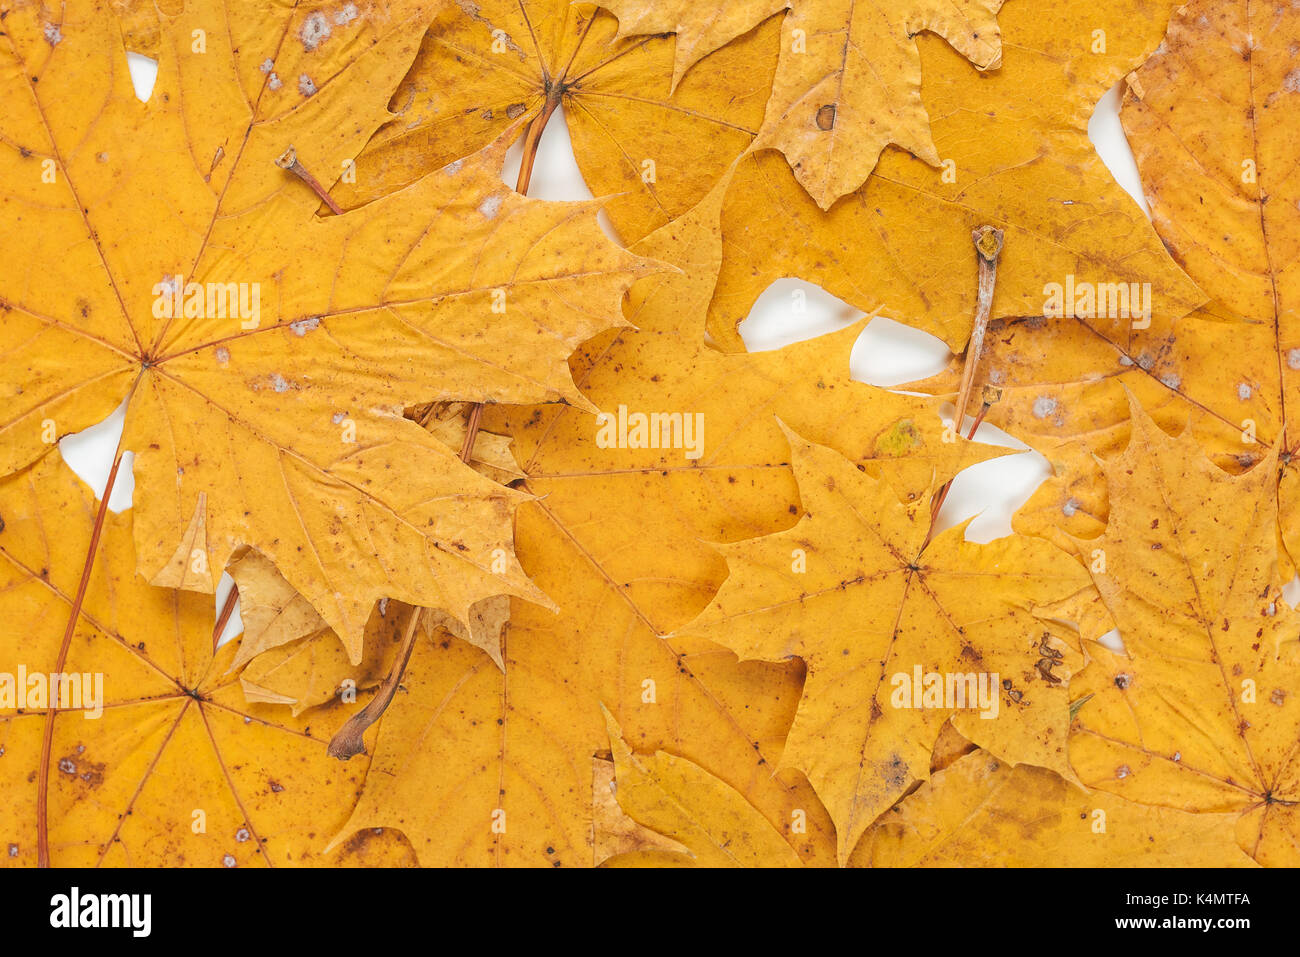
(1017, 157)
(1062, 391)
(1207, 118)
(153, 757)
(1200, 712)
(977, 812)
(1209, 115)
(848, 83)
(617, 537)
(266, 353)
(489, 66)
(899, 634)
(714, 824)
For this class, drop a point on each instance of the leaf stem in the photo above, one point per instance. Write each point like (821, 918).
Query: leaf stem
(47, 739)
(988, 244)
(350, 739)
(227, 609)
(288, 160)
(532, 139)
(936, 504)
(988, 247)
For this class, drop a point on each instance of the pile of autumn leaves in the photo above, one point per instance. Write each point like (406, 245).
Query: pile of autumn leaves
(570, 654)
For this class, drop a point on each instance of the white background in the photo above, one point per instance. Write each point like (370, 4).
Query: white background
(886, 354)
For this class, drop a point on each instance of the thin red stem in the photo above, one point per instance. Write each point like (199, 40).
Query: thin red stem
(47, 739)
(532, 139)
(942, 495)
(289, 161)
(350, 739)
(227, 609)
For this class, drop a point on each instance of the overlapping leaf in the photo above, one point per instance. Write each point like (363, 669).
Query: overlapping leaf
(715, 825)
(176, 769)
(973, 812)
(1200, 713)
(849, 80)
(277, 425)
(872, 607)
(770, 701)
(978, 812)
(654, 150)
(1063, 391)
(1208, 117)
(1016, 156)
(617, 539)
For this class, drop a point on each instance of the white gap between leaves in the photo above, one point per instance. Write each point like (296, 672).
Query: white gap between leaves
(90, 452)
(1107, 135)
(556, 177)
(144, 74)
(887, 353)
